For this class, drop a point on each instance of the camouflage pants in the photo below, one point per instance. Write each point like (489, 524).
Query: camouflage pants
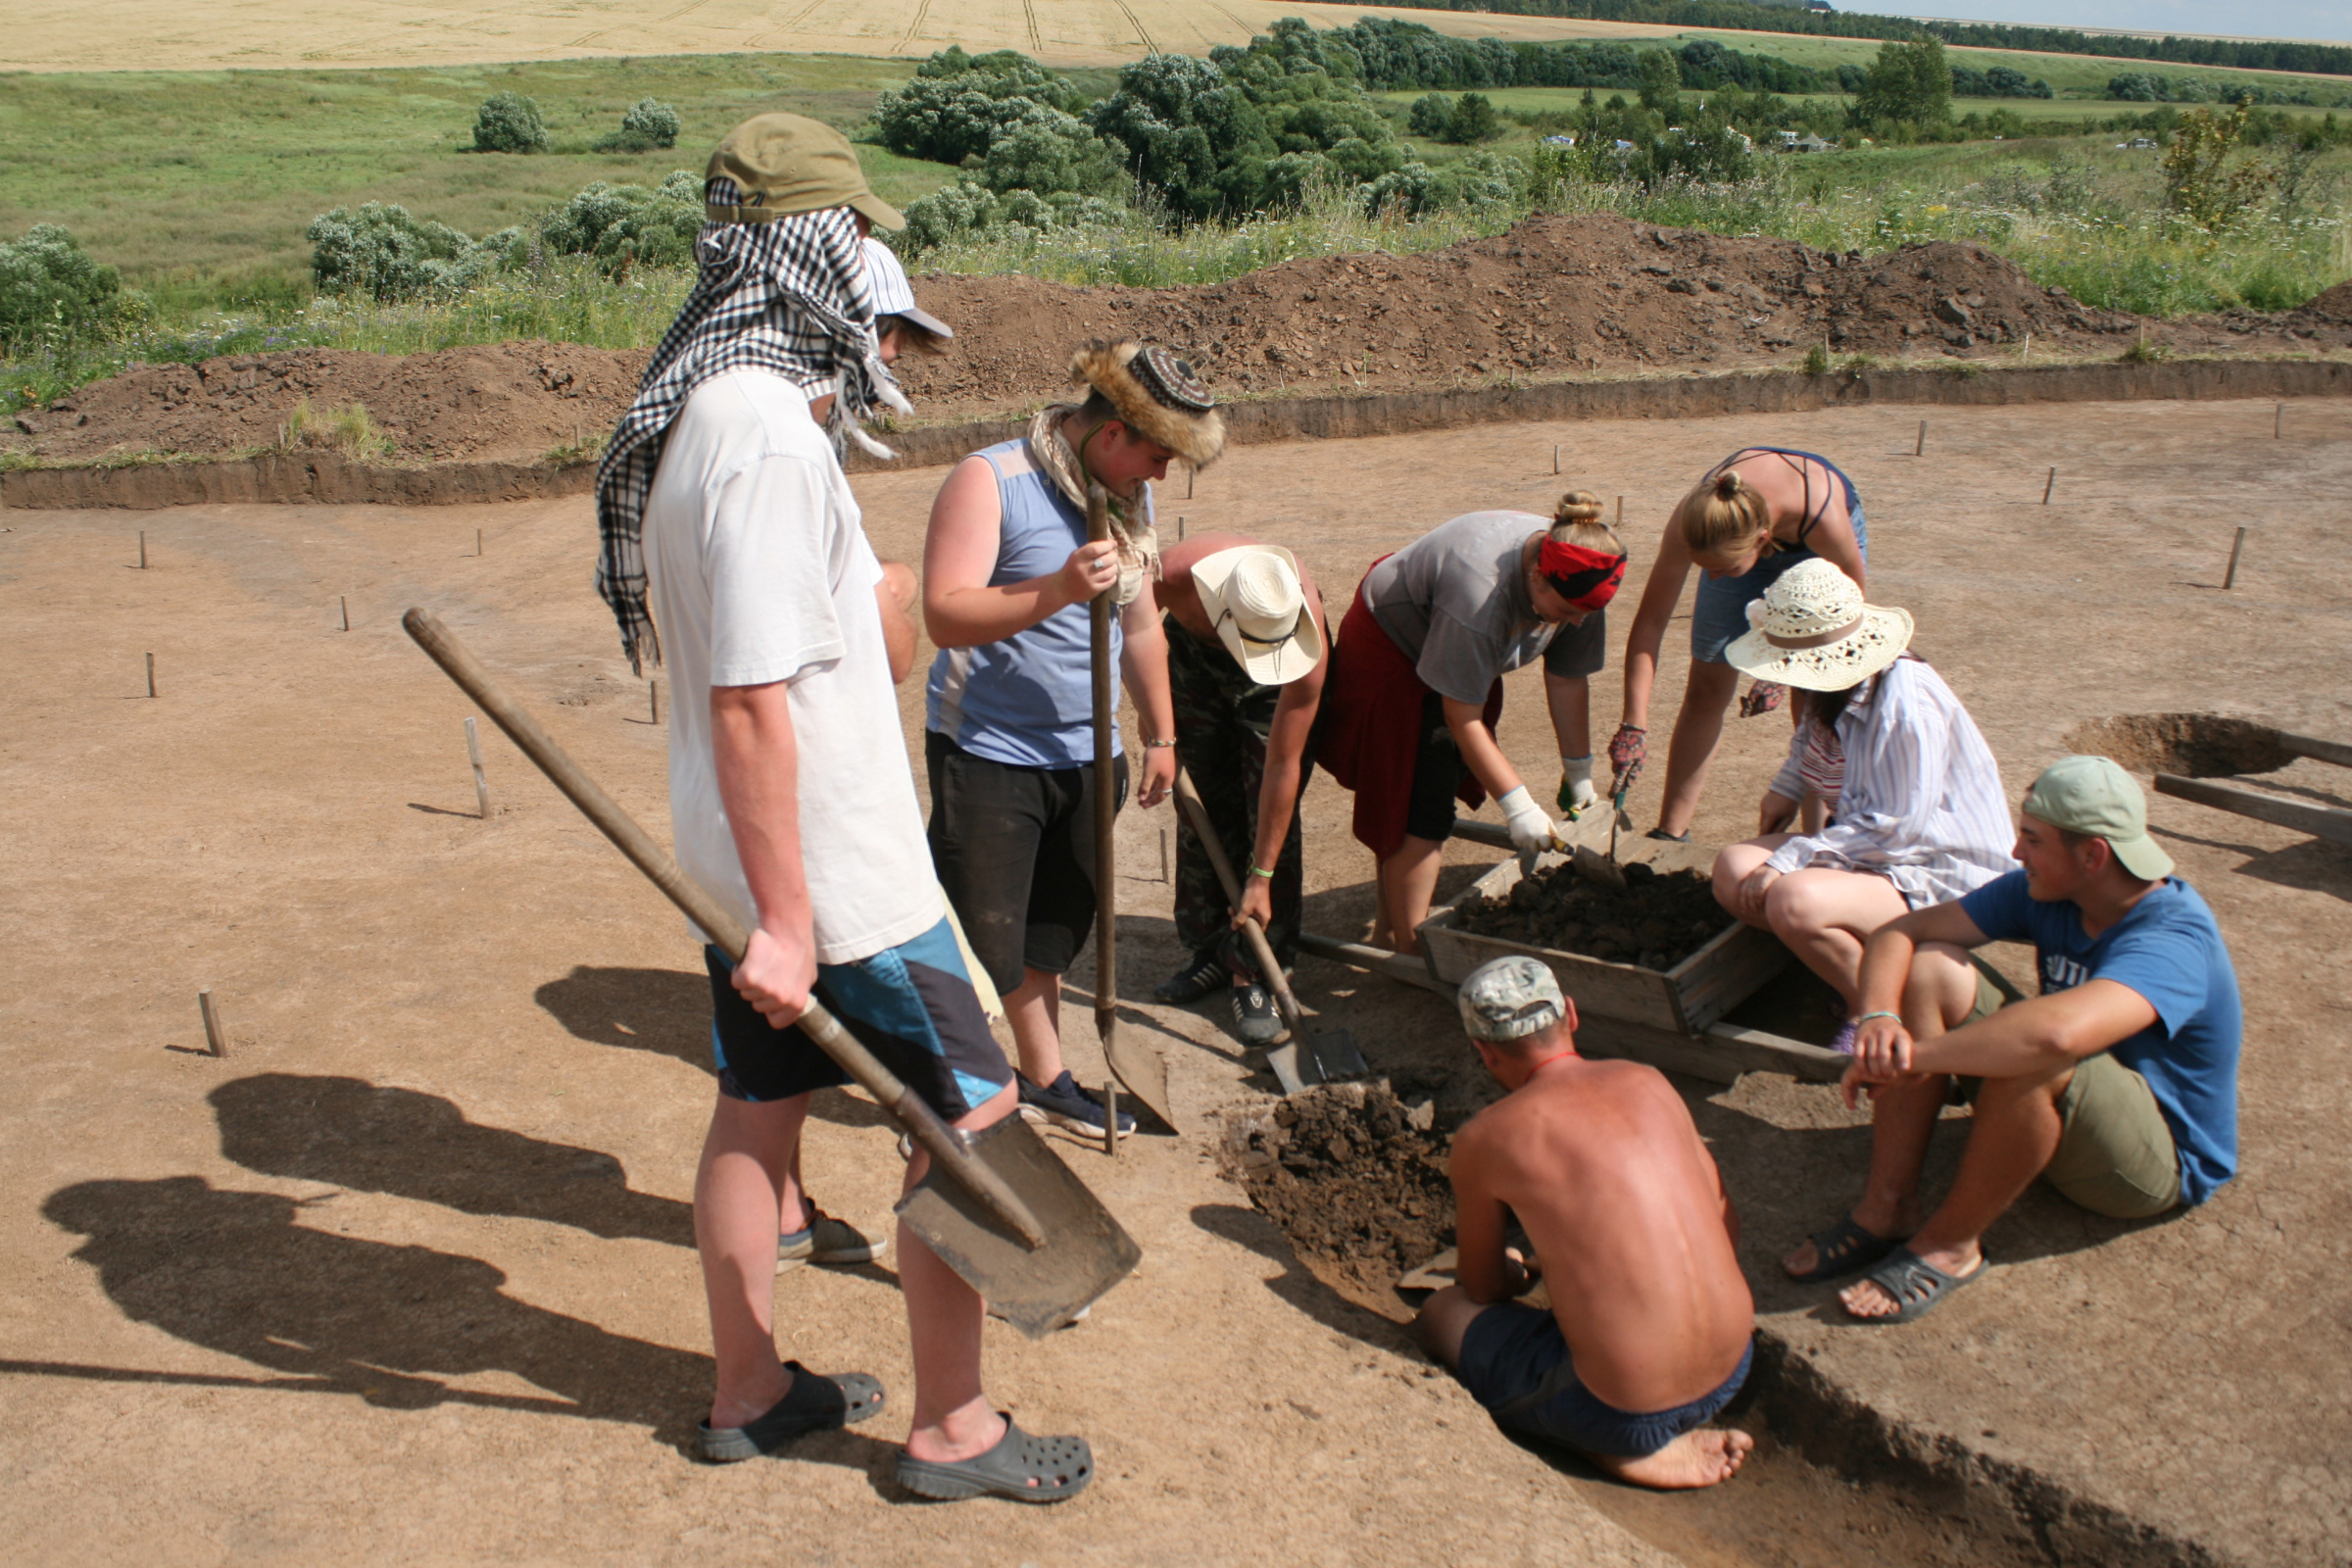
(1222, 721)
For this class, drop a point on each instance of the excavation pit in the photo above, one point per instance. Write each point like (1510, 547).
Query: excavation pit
(2194, 745)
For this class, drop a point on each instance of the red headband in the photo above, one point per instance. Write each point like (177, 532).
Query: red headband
(1587, 578)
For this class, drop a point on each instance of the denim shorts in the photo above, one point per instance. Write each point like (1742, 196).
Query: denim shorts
(1516, 1364)
(912, 1005)
(1720, 617)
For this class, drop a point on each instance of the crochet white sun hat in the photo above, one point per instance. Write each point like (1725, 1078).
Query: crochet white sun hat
(1812, 630)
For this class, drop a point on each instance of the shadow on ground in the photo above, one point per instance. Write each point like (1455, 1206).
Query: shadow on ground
(234, 1272)
(349, 1133)
(1297, 1287)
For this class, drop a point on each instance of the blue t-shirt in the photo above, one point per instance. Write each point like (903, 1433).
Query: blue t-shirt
(2167, 948)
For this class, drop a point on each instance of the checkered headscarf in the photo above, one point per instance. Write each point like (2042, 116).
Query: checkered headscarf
(789, 296)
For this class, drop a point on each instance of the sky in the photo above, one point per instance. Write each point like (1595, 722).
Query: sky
(2327, 20)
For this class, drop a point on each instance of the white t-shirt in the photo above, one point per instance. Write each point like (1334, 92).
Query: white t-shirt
(761, 571)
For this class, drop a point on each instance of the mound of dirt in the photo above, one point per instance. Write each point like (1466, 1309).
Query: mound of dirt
(1354, 1178)
(502, 401)
(1554, 297)
(1660, 918)
(1553, 294)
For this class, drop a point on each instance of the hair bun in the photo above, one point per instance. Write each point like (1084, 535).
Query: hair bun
(1727, 485)
(1578, 506)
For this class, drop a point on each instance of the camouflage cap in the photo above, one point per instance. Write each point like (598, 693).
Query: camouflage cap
(1510, 999)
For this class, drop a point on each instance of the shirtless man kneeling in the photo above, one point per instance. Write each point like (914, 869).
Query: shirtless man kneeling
(1648, 1332)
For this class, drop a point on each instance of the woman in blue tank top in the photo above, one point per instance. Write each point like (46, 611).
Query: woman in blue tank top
(1756, 514)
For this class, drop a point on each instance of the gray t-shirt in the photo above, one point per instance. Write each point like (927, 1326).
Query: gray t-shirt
(1455, 602)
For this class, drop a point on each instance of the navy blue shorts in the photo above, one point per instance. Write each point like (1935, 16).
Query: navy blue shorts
(1516, 1364)
(912, 1005)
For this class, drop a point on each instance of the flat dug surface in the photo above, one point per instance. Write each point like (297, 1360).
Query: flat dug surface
(408, 1275)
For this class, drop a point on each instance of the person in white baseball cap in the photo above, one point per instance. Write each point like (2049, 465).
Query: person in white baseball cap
(1247, 638)
(894, 308)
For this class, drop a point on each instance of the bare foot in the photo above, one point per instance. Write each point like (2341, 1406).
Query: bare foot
(1700, 1458)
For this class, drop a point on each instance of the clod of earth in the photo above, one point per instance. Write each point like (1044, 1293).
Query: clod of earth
(1660, 918)
(1354, 1177)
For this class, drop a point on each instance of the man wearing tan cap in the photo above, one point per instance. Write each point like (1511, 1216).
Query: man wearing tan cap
(1246, 635)
(726, 520)
(2117, 1084)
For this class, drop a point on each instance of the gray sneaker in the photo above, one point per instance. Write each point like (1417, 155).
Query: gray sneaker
(826, 1239)
(1254, 1020)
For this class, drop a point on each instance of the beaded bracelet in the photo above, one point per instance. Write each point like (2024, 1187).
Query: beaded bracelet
(1866, 1017)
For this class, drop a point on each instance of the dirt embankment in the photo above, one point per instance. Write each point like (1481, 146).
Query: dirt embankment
(1554, 297)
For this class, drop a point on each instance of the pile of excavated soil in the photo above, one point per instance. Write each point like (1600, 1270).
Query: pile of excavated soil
(1355, 1184)
(504, 401)
(1660, 918)
(1553, 297)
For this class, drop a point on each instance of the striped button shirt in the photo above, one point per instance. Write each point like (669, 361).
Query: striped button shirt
(1922, 802)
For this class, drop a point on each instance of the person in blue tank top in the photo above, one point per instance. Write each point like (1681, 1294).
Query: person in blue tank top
(1007, 578)
(1756, 514)
(2118, 1085)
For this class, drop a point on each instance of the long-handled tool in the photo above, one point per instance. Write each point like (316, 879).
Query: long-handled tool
(1580, 856)
(1300, 1061)
(1139, 1070)
(997, 1207)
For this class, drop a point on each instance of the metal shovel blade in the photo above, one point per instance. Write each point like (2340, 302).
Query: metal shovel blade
(1325, 1057)
(1085, 1253)
(1141, 1072)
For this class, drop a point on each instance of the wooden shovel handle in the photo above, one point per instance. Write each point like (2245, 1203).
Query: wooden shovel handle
(1189, 802)
(1106, 806)
(921, 1122)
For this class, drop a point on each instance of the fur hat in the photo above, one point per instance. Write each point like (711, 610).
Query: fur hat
(1159, 397)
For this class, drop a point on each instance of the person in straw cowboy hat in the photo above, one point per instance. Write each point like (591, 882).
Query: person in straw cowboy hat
(1008, 743)
(1914, 796)
(725, 520)
(1246, 634)
(1416, 683)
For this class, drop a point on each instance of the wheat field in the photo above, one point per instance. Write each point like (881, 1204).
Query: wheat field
(54, 35)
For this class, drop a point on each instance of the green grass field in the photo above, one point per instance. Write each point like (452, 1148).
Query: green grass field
(189, 182)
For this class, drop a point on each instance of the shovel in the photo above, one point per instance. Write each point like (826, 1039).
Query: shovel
(1581, 858)
(996, 1206)
(1139, 1070)
(1300, 1061)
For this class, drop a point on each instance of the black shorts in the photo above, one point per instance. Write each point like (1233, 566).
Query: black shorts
(912, 1005)
(1579, 650)
(1438, 769)
(1014, 848)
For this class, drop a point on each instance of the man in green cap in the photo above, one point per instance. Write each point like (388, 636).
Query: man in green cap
(726, 521)
(2118, 1083)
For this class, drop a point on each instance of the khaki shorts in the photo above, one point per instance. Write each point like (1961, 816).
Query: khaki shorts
(2115, 1153)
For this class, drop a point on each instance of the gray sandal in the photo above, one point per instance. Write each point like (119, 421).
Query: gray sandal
(1843, 1248)
(814, 1404)
(1058, 1467)
(1915, 1285)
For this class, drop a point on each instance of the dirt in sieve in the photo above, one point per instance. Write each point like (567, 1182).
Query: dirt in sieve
(1356, 1180)
(1661, 918)
(1553, 297)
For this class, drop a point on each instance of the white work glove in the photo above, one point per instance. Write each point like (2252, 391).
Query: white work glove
(1532, 832)
(1576, 785)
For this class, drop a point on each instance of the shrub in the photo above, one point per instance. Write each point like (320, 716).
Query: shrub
(956, 103)
(1431, 116)
(50, 288)
(387, 253)
(1909, 84)
(508, 123)
(968, 211)
(629, 225)
(1660, 79)
(1473, 119)
(2197, 187)
(646, 125)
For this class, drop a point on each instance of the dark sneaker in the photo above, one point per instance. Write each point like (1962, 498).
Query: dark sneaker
(1254, 1020)
(826, 1239)
(1064, 1103)
(1204, 973)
